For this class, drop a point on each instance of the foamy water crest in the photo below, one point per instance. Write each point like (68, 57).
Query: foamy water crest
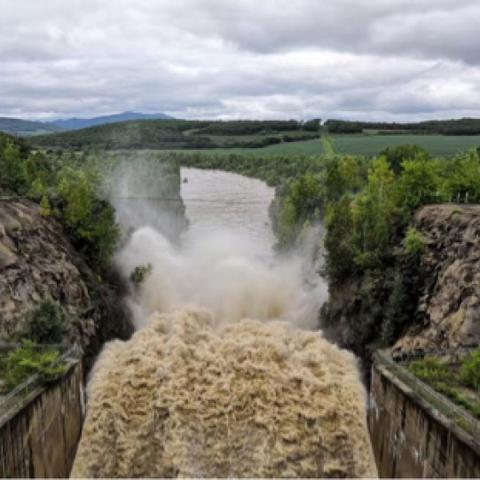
(186, 397)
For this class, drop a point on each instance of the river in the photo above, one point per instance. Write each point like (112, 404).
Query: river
(217, 200)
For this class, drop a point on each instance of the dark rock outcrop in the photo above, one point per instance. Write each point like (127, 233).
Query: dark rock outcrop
(433, 303)
(448, 309)
(38, 261)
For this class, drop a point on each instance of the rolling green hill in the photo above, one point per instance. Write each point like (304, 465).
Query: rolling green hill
(25, 128)
(78, 123)
(246, 137)
(182, 134)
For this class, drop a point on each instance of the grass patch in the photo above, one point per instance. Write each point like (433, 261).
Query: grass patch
(451, 381)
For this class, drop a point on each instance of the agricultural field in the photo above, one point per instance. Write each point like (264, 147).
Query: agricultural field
(362, 144)
(257, 137)
(437, 145)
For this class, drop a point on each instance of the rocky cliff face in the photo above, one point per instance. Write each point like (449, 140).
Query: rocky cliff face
(448, 309)
(37, 260)
(434, 304)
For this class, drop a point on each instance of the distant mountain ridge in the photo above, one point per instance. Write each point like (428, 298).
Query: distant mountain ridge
(78, 123)
(26, 128)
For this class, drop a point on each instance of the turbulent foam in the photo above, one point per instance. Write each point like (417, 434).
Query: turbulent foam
(221, 271)
(184, 397)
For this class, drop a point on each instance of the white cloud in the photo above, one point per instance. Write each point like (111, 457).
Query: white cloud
(399, 59)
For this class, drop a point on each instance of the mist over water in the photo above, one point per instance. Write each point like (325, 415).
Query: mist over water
(219, 380)
(225, 261)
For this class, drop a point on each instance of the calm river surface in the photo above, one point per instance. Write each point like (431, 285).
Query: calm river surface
(217, 200)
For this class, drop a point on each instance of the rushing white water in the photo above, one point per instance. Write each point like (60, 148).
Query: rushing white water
(225, 262)
(219, 379)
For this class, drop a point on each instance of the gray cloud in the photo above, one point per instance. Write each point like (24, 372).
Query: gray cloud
(397, 59)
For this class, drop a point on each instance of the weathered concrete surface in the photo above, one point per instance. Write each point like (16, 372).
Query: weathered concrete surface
(39, 438)
(412, 439)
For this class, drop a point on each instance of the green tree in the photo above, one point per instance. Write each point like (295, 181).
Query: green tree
(77, 192)
(339, 262)
(12, 167)
(462, 178)
(90, 221)
(302, 202)
(419, 182)
(395, 156)
(374, 215)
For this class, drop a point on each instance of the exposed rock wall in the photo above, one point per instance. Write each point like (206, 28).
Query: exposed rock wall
(448, 310)
(37, 260)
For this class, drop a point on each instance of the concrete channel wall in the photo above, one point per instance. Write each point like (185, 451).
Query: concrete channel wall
(40, 427)
(413, 435)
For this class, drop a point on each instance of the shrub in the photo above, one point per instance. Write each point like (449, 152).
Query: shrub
(47, 323)
(414, 242)
(431, 370)
(140, 273)
(470, 370)
(28, 360)
(45, 207)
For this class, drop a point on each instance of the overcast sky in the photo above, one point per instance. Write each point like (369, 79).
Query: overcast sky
(358, 59)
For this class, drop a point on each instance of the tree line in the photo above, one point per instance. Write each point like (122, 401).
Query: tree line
(463, 126)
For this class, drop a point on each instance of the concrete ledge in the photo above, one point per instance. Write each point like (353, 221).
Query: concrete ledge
(411, 437)
(39, 434)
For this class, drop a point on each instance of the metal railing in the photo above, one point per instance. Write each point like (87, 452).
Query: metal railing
(15, 399)
(449, 409)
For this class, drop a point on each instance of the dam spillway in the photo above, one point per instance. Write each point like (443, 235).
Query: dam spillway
(186, 398)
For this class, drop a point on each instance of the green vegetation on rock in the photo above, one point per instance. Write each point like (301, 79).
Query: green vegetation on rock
(47, 323)
(65, 189)
(470, 370)
(27, 360)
